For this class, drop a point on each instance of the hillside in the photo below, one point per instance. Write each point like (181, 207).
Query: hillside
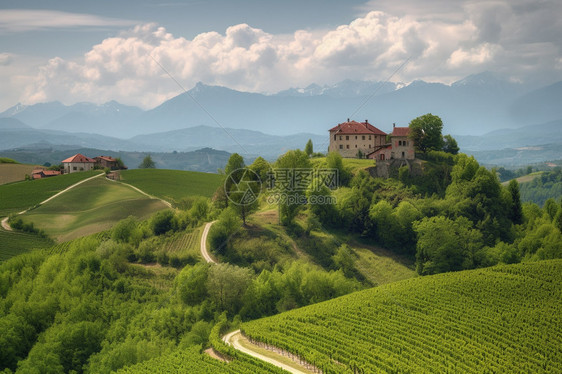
(11, 171)
(23, 195)
(172, 185)
(93, 206)
(500, 319)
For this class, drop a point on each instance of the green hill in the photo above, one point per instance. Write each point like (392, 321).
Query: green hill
(499, 319)
(23, 195)
(173, 185)
(93, 206)
(16, 243)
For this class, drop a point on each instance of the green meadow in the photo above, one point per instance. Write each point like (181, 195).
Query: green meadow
(15, 197)
(173, 185)
(93, 206)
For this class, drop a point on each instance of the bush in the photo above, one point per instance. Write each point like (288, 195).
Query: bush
(161, 223)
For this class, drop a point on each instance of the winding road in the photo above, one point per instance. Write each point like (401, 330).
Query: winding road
(204, 251)
(234, 338)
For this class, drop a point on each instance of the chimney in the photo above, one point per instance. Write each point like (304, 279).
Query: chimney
(348, 120)
(393, 125)
(366, 121)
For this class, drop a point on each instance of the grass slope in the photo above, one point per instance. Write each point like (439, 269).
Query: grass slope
(353, 164)
(172, 185)
(22, 195)
(14, 172)
(501, 319)
(91, 207)
(15, 243)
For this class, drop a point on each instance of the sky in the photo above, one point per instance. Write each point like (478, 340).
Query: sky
(97, 51)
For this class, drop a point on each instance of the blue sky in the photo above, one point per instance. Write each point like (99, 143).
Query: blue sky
(107, 50)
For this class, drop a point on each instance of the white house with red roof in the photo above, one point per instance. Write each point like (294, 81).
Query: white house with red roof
(352, 139)
(78, 162)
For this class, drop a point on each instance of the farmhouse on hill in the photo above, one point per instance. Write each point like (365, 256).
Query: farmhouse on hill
(78, 162)
(43, 173)
(354, 139)
(108, 162)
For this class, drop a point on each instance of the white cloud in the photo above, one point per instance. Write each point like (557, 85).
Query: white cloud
(6, 59)
(19, 20)
(461, 39)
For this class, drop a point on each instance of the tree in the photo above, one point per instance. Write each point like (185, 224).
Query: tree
(516, 213)
(308, 149)
(235, 162)
(293, 195)
(120, 163)
(425, 131)
(243, 187)
(335, 161)
(147, 163)
(450, 145)
(226, 285)
(261, 167)
(445, 244)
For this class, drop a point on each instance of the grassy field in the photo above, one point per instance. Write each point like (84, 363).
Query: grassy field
(501, 319)
(14, 172)
(91, 207)
(15, 243)
(172, 185)
(525, 178)
(23, 195)
(354, 164)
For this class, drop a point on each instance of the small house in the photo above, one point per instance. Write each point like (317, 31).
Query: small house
(78, 162)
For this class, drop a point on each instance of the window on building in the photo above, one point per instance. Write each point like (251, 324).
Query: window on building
(355, 137)
(340, 137)
(347, 137)
(363, 137)
(341, 146)
(74, 168)
(369, 137)
(347, 146)
(334, 137)
(369, 146)
(355, 145)
(403, 155)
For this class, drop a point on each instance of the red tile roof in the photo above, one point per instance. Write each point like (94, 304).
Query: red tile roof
(354, 127)
(400, 131)
(107, 158)
(79, 158)
(51, 172)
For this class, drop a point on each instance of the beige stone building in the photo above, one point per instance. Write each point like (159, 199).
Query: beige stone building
(400, 146)
(348, 138)
(78, 163)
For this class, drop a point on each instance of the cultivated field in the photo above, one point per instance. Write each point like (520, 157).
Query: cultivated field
(93, 206)
(501, 319)
(14, 172)
(14, 243)
(23, 195)
(172, 185)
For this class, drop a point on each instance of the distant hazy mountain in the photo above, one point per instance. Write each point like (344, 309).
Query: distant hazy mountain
(15, 134)
(231, 140)
(346, 88)
(111, 118)
(474, 105)
(541, 105)
(533, 135)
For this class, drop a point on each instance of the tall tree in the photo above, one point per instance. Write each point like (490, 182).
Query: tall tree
(516, 209)
(425, 131)
(308, 149)
(450, 145)
(147, 163)
(234, 162)
(293, 194)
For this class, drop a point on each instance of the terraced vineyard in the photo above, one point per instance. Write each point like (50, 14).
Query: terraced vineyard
(192, 361)
(15, 243)
(183, 243)
(502, 319)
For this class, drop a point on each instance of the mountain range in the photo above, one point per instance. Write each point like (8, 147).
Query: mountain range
(483, 111)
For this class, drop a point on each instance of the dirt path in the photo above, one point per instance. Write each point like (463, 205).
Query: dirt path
(6, 225)
(204, 251)
(168, 204)
(235, 339)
